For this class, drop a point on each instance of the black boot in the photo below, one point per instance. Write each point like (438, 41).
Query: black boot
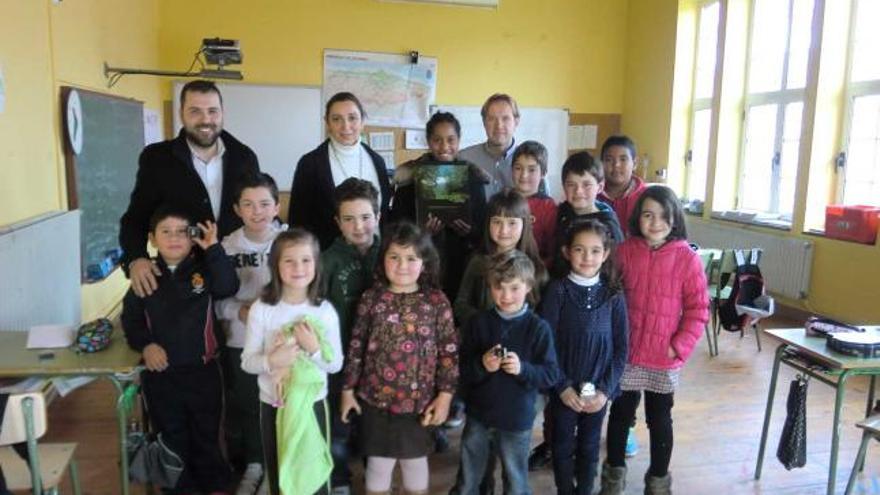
(541, 457)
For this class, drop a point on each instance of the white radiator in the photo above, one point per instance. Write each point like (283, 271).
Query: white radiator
(40, 272)
(786, 261)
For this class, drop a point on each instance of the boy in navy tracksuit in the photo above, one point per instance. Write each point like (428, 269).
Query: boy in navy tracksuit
(507, 355)
(174, 329)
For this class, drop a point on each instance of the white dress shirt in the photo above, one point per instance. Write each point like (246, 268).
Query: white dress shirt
(211, 173)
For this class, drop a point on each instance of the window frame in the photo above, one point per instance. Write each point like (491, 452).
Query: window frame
(852, 90)
(781, 98)
(702, 103)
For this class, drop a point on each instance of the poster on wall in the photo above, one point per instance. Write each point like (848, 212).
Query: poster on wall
(395, 91)
(152, 127)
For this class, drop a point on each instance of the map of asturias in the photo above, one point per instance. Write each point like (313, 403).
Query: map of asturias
(394, 92)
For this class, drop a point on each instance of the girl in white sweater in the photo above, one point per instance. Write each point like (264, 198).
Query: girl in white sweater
(311, 327)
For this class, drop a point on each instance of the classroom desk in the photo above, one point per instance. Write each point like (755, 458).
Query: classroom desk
(115, 363)
(811, 356)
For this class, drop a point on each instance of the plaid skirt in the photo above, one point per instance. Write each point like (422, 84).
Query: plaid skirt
(638, 378)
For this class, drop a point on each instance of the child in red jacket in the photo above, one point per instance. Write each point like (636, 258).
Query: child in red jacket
(529, 170)
(667, 306)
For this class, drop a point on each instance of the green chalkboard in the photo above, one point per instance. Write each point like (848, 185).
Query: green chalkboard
(101, 174)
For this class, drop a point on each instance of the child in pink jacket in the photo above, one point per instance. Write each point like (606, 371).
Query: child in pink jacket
(667, 305)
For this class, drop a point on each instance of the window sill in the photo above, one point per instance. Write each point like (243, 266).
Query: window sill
(815, 232)
(750, 218)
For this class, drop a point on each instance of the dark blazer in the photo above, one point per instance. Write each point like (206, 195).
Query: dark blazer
(166, 175)
(311, 195)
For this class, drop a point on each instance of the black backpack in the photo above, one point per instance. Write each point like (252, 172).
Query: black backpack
(748, 284)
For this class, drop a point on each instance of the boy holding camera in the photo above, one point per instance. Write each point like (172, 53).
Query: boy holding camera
(507, 356)
(174, 329)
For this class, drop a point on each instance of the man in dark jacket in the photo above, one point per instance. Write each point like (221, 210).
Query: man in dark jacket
(197, 172)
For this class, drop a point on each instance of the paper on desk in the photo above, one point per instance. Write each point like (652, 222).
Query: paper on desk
(50, 336)
(65, 386)
(30, 384)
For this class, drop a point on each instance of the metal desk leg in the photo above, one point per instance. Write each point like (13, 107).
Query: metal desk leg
(868, 410)
(769, 409)
(123, 433)
(27, 408)
(835, 431)
(860, 460)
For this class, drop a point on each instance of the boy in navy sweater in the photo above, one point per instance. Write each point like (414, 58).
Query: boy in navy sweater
(507, 355)
(174, 329)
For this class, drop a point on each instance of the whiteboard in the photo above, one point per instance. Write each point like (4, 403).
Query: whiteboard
(280, 123)
(548, 126)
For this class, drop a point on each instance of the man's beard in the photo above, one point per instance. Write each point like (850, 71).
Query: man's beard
(199, 140)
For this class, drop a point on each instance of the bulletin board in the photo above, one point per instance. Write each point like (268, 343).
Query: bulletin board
(608, 124)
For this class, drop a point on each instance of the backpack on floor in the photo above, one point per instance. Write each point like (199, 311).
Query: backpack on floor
(748, 285)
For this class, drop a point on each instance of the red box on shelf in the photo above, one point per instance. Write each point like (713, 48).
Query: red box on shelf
(852, 223)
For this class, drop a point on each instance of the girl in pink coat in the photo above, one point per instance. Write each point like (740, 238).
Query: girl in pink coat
(667, 305)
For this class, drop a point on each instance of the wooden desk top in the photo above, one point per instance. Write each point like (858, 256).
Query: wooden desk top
(816, 347)
(17, 360)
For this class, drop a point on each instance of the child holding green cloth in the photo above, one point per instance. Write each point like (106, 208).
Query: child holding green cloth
(292, 344)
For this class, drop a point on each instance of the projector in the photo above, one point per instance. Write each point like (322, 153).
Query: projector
(221, 52)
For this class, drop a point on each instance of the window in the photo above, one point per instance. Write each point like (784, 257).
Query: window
(701, 113)
(777, 72)
(859, 180)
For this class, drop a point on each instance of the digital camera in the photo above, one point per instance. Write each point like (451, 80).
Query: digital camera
(194, 232)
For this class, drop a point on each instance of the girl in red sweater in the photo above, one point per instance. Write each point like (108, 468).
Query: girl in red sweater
(667, 306)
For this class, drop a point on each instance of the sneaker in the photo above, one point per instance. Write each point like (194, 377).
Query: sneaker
(454, 422)
(250, 480)
(632, 444)
(540, 457)
(264, 487)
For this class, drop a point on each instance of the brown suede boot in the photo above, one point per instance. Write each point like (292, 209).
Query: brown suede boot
(613, 480)
(658, 486)
(386, 492)
(420, 492)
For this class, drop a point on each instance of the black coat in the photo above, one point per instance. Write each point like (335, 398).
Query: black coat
(311, 195)
(179, 315)
(166, 175)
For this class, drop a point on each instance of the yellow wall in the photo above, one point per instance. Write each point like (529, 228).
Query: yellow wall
(42, 47)
(553, 53)
(650, 62)
(28, 156)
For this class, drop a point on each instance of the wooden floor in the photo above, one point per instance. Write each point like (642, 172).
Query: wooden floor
(718, 415)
